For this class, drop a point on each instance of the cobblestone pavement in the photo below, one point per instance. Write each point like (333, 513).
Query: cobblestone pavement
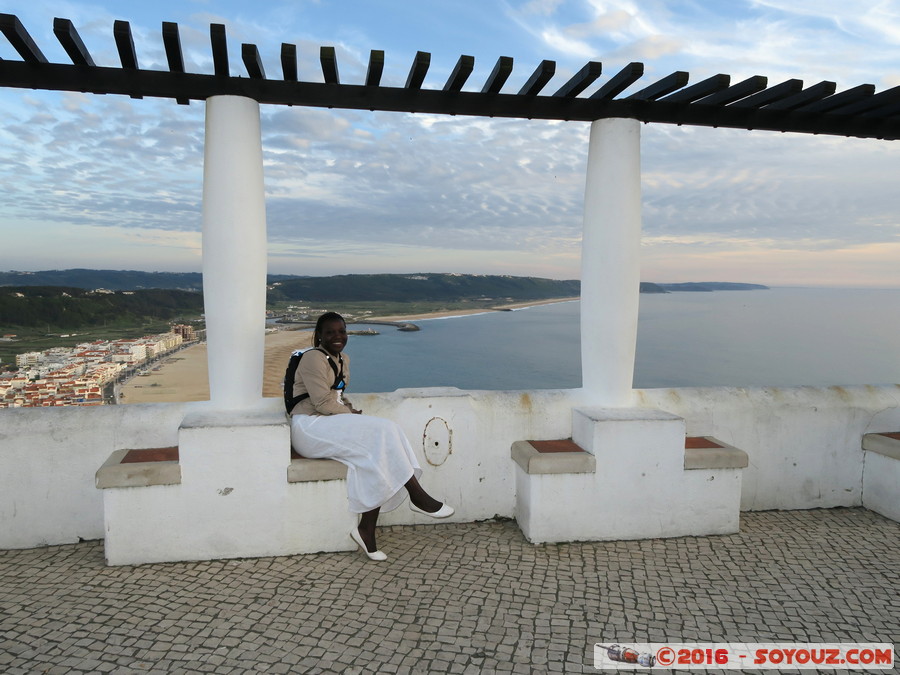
(468, 598)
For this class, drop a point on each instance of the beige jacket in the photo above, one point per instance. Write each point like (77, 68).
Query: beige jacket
(315, 377)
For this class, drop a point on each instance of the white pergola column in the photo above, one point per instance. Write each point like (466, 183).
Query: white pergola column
(234, 252)
(610, 262)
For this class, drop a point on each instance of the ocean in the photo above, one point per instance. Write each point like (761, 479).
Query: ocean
(775, 337)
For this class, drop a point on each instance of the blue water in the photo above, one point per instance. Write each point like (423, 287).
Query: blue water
(778, 337)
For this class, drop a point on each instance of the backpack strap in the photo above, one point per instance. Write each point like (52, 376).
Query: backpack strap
(338, 378)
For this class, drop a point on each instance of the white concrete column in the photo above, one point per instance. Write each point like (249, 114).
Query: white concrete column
(610, 261)
(234, 252)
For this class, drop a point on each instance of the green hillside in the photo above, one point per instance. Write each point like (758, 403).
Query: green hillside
(61, 308)
(419, 287)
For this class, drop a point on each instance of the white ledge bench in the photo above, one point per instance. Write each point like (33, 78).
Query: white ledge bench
(881, 473)
(312, 514)
(140, 467)
(306, 470)
(143, 467)
(626, 474)
(706, 452)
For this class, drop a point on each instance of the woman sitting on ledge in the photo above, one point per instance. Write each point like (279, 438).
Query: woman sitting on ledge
(380, 461)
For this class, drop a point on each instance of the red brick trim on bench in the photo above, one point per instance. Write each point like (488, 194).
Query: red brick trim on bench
(698, 442)
(150, 455)
(564, 445)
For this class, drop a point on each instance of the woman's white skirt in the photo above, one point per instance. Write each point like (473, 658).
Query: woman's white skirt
(377, 454)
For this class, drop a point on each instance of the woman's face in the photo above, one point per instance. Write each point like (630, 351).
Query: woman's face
(333, 336)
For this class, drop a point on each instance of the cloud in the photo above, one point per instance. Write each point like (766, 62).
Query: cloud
(379, 189)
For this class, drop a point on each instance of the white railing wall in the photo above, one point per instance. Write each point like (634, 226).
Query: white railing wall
(804, 446)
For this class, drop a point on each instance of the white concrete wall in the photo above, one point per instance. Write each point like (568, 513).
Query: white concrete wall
(48, 458)
(804, 443)
(804, 446)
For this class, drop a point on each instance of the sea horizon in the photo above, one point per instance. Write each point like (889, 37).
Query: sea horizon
(685, 339)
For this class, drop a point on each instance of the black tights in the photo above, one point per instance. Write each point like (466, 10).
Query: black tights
(417, 496)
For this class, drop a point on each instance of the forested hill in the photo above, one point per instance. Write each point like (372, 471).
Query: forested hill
(420, 287)
(113, 280)
(67, 308)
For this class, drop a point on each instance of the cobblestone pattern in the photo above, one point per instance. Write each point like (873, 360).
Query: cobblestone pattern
(470, 598)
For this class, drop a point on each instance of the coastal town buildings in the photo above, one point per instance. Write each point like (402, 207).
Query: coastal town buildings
(77, 376)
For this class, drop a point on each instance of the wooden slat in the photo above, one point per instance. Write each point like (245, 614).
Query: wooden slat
(809, 95)
(125, 47)
(499, 75)
(125, 44)
(219, 49)
(736, 92)
(664, 86)
(253, 62)
(328, 59)
(887, 110)
(697, 91)
(70, 40)
(289, 62)
(375, 69)
(619, 82)
(19, 38)
(418, 70)
(853, 95)
(539, 78)
(770, 95)
(581, 80)
(172, 43)
(879, 99)
(460, 73)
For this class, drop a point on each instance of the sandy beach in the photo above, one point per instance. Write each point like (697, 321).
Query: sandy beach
(184, 375)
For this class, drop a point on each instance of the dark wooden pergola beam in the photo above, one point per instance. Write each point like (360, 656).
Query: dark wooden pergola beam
(736, 92)
(581, 80)
(809, 95)
(881, 98)
(460, 74)
(219, 45)
(125, 47)
(697, 91)
(786, 107)
(289, 62)
(499, 75)
(664, 86)
(71, 41)
(539, 78)
(172, 43)
(846, 97)
(619, 82)
(888, 110)
(65, 77)
(376, 68)
(125, 44)
(418, 70)
(770, 95)
(19, 38)
(328, 59)
(252, 61)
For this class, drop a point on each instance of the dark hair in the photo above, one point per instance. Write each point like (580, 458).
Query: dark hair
(327, 316)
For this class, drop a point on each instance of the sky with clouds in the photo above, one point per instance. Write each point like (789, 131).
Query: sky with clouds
(111, 182)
